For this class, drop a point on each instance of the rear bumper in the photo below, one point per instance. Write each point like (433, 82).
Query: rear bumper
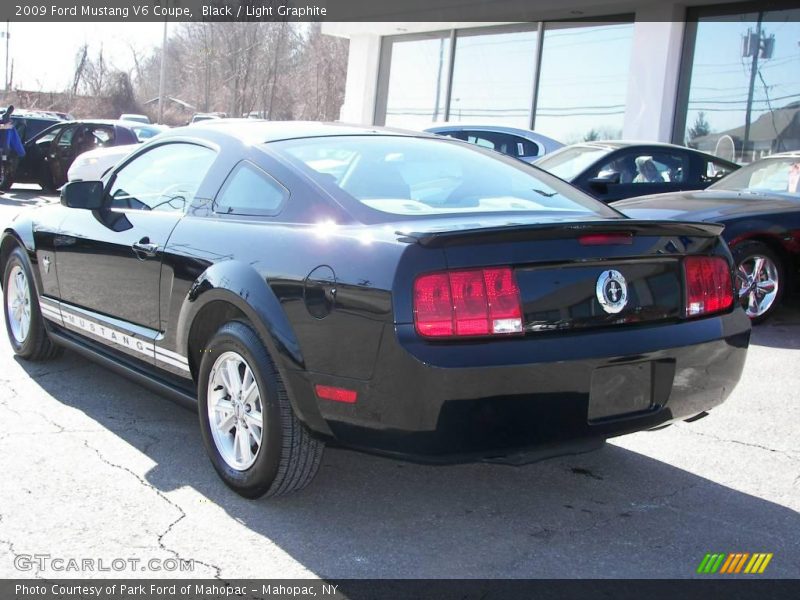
(447, 402)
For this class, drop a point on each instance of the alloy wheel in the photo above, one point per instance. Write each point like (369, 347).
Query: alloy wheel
(235, 411)
(758, 281)
(18, 304)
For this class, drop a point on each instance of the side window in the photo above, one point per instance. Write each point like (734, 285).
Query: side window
(459, 135)
(652, 167)
(250, 191)
(524, 148)
(165, 178)
(481, 141)
(509, 144)
(714, 170)
(65, 139)
(102, 135)
(50, 136)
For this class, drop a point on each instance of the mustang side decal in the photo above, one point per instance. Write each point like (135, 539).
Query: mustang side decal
(76, 321)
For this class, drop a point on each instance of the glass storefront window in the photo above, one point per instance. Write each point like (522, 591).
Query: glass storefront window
(743, 100)
(493, 78)
(417, 81)
(584, 81)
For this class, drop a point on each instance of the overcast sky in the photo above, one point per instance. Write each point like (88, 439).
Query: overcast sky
(44, 53)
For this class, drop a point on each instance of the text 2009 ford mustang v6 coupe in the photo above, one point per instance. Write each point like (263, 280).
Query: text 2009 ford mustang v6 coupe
(401, 293)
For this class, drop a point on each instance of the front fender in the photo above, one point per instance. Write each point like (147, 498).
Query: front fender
(20, 234)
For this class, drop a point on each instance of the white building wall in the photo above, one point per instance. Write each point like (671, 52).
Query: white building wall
(652, 83)
(362, 79)
(654, 72)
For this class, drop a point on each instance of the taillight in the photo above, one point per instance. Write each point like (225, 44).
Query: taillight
(337, 394)
(709, 288)
(467, 303)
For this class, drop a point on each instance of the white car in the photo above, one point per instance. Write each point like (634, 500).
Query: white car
(92, 165)
(134, 117)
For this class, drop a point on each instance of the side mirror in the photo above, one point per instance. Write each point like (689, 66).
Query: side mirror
(83, 194)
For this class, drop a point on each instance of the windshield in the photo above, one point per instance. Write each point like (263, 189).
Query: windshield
(570, 162)
(780, 175)
(421, 177)
(146, 132)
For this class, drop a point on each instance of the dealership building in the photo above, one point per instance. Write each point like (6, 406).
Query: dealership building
(721, 77)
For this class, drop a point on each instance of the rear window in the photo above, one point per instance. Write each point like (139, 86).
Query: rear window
(419, 176)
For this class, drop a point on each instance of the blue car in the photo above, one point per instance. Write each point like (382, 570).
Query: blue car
(520, 143)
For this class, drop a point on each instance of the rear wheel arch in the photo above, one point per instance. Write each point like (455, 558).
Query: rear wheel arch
(206, 310)
(208, 320)
(241, 287)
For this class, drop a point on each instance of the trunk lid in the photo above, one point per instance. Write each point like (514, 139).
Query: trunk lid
(588, 274)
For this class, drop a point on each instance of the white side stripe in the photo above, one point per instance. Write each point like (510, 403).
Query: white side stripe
(123, 340)
(50, 312)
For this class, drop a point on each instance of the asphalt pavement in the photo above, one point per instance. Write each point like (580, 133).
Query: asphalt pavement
(95, 467)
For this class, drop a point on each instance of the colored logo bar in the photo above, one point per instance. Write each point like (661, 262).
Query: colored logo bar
(734, 563)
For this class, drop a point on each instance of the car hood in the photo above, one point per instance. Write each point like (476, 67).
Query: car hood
(709, 205)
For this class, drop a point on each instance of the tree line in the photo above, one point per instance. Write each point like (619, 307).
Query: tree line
(276, 70)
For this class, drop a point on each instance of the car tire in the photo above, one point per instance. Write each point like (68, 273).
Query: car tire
(760, 293)
(24, 321)
(46, 180)
(6, 176)
(284, 457)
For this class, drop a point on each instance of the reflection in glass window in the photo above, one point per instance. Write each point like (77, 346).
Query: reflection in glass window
(164, 178)
(250, 191)
(650, 167)
(583, 99)
(417, 81)
(749, 55)
(780, 175)
(493, 78)
(421, 177)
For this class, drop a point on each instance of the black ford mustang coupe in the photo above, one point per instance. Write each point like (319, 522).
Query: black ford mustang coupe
(408, 294)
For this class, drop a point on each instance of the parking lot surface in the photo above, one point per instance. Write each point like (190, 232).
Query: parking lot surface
(95, 467)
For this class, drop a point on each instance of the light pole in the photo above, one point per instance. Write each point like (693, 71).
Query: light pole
(163, 74)
(757, 45)
(6, 34)
(755, 49)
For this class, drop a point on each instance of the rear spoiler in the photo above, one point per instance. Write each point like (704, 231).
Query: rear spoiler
(550, 231)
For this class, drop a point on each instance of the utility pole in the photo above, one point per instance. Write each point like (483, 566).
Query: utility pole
(163, 74)
(439, 81)
(7, 35)
(755, 49)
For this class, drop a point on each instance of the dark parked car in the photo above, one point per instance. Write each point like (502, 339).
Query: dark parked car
(520, 143)
(29, 124)
(760, 208)
(614, 170)
(406, 294)
(50, 153)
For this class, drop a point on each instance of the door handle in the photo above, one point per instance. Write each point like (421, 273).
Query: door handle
(145, 247)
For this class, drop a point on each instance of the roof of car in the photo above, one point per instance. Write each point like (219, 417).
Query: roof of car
(258, 131)
(616, 144)
(790, 154)
(116, 122)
